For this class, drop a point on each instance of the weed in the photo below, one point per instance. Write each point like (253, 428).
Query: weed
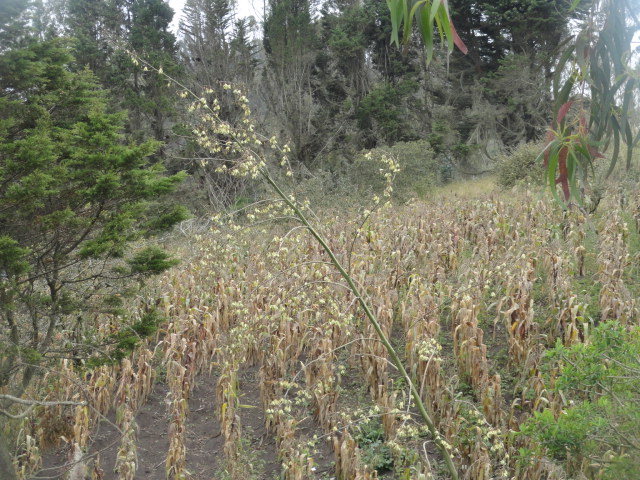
(370, 438)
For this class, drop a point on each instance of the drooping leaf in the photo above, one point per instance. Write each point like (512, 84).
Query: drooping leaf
(573, 165)
(550, 136)
(616, 144)
(582, 48)
(552, 167)
(563, 95)
(445, 23)
(560, 68)
(439, 27)
(457, 40)
(426, 29)
(396, 9)
(452, 35)
(416, 6)
(626, 103)
(594, 152)
(629, 142)
(434, 10)
(408, 22)
(426, 13)
(563, 173)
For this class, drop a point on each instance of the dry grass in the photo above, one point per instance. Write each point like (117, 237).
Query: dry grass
(452, 283)
(466, 189)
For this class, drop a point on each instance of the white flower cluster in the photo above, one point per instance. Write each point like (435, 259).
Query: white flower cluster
(428, 349)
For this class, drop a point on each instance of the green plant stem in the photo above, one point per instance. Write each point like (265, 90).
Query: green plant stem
(373, 320)
(354, 289)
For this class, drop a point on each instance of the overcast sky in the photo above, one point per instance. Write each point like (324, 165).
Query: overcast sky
(245, 8)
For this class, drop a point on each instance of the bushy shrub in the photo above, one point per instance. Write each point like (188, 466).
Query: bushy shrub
(420, 171)
(520, 166)
(375, 452)
(602, 421)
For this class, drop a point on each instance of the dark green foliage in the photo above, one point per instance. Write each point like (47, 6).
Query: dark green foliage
(288, 31)
(383, 113)
(13, 23)
(520, 165)
(498, 91)
(73, 197)
(603, 421)
(520, 87)
(523, 26)
(94, 25)
(11, 257)
(375, 452)
(151, 261)
(141, 25)
(128, 339)
(147, 96)
(165, 218)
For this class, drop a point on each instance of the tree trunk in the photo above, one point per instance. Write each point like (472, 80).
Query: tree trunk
(7, 471)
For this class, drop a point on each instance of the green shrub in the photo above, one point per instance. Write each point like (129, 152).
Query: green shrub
(420, 171)
(375, 452)
(600, 421)
(520, 166)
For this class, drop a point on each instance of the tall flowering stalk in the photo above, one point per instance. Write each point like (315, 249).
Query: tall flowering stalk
(241, 151)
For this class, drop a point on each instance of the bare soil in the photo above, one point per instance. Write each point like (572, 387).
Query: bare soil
(204, 443)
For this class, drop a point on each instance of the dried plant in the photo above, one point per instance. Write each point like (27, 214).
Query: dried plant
(127, 455)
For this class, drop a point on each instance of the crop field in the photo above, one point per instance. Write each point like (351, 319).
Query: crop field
(265, 367)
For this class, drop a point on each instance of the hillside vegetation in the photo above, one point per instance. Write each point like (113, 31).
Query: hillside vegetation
(241, 247)
(517, 321)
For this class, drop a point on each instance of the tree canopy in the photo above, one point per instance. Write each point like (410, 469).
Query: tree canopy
(74, 197)
(592, 72)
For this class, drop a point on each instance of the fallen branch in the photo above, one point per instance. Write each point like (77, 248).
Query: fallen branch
(32, 404)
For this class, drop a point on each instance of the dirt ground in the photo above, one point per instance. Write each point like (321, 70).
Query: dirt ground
(204, 443)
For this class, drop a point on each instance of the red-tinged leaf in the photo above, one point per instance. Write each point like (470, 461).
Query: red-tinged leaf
(563, 176)
(593, 151)
(457, 40)
(548, 140)
(562, 112)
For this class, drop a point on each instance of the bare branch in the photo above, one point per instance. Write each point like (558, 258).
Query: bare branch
(32, 404)
(26, 401)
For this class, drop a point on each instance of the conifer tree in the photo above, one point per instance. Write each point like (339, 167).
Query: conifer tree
(73, 200)
(290, 43)
(100, 28)
(149, 100)
(216, 50)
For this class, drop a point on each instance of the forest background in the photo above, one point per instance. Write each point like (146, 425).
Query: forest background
(322, 77)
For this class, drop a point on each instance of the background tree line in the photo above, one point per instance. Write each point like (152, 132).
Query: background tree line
(320, 75)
